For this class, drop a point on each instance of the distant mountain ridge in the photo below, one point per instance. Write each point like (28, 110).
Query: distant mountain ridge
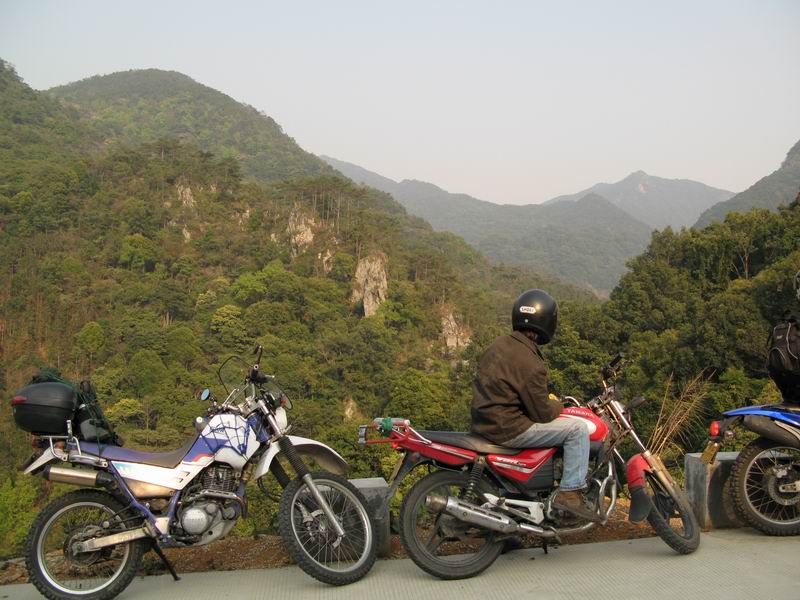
(586, 241)
(657, 201)
(781, 186)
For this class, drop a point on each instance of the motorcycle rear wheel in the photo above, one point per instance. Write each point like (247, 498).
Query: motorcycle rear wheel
(57, 572)
(672, 517)
(438, 543)
(754, 482)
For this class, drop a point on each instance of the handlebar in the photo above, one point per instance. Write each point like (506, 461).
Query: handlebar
(610, 370)
(256, 376)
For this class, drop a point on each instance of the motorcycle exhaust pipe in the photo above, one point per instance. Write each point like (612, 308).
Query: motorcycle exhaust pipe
(83, 477)
(475, 515)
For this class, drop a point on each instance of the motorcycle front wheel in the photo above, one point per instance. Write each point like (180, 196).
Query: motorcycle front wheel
(439, 543)
(313, 543)
(672, 517)
(60, 573)
(757, 476)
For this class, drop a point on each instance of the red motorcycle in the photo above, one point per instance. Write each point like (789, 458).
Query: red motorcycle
(455, 520)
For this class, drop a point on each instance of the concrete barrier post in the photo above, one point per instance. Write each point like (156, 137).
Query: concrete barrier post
(375, 490)
(708, 492)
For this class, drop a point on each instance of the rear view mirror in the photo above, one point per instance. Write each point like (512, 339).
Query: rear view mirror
(637, 402)
(205, 394)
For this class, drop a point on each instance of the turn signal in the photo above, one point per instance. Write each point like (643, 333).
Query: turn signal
(714, 428)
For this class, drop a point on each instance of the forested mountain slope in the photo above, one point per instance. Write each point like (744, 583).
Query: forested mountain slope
(778, 188)
(584, 242)
(139, 106)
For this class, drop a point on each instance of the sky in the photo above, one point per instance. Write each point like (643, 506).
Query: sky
(512, 102)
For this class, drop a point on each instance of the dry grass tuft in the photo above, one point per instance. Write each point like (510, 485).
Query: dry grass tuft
(679, 414)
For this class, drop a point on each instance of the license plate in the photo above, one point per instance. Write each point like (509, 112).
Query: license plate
(710, 453)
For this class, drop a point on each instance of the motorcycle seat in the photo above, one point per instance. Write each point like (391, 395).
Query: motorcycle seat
(168, 460)
(467, 441)
(476, 443)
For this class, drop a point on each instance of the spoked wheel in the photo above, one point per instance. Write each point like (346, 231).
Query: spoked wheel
(766, 487)
(311, 540)
(439, 543)
(672, 517)
(58, 571)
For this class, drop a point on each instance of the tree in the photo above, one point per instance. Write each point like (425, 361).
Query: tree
(226, 324)
(145, 372)
(138, 253)
(91, 340)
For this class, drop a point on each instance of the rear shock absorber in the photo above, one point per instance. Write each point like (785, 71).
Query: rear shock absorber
(475, 474)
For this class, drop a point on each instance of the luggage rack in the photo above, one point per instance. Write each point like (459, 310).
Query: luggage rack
(73, 456)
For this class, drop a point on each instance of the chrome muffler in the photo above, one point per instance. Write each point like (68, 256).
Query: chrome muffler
(476, 515)
(83, 477)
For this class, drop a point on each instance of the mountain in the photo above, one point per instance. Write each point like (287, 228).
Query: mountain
(143, 266)
(587, 241)
(140, 106)
(779, 187)
(656, 201)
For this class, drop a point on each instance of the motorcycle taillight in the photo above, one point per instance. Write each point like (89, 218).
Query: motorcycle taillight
(714, 428)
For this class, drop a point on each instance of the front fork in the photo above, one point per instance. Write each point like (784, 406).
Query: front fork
(293, 456)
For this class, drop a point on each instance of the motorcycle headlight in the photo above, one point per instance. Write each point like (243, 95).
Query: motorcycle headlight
(281, 418)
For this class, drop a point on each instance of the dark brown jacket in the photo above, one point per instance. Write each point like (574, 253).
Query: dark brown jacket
(510, 391)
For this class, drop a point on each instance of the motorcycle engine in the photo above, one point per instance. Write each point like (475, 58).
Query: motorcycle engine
(218, 478)
(200, 517)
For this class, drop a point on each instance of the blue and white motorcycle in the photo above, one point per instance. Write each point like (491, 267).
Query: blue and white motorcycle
(765, 479)
(89, 543)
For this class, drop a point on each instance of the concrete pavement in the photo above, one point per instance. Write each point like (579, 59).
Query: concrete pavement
(730, 564)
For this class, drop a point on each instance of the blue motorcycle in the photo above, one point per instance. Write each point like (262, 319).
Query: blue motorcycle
(765, 479)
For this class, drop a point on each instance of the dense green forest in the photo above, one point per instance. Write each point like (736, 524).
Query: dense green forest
(143, 266)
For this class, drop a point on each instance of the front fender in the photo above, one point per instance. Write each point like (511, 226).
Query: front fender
(641, 503)
(325, 456)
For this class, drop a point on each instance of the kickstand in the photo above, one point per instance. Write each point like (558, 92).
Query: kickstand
(157, 549)
(545, 545)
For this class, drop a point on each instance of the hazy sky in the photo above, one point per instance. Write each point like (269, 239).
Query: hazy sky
(507, 101)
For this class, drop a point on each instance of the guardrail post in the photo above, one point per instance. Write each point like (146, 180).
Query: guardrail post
(375, 490)
(707, 489)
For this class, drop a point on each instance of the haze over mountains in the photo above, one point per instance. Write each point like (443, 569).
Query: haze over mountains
(585, 237)
(656, 201)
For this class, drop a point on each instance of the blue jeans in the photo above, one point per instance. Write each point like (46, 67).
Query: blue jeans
(573, 435)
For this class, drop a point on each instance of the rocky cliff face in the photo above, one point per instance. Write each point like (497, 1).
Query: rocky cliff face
(455, 335)
(300, 230)
(351, 412)
(185, 196)
(326, 260)
(371, 283)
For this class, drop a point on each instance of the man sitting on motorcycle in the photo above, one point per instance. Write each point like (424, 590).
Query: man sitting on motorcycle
(511, 404)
